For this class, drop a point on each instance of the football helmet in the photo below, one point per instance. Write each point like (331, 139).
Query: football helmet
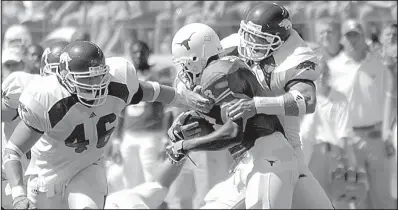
(50, 58)
(192, 46)
(266, 27)
(83, 72)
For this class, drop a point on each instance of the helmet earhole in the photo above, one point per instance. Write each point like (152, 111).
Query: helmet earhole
(194, 58)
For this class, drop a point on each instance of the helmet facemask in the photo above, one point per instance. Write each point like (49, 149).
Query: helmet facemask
(254, 44)
(91, 87)
(48, 68)
(189, 71)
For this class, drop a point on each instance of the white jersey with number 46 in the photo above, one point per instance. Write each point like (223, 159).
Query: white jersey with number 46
(74, 136)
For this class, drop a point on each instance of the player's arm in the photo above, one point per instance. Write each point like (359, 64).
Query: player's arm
(300, 96)
(25, 135)
(231, 133)
(153, 91)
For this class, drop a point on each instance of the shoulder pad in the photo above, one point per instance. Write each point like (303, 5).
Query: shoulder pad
(36, 101)
(13, 86)
(124, 77)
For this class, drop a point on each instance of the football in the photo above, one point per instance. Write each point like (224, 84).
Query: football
(205, 126)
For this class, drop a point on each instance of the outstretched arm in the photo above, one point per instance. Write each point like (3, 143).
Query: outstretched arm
(153, 91)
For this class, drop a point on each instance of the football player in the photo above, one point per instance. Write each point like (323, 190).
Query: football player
(285, 67)
(12, 88)
(257, 145)
(66, 121)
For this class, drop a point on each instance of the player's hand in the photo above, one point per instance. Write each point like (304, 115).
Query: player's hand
(242, 108)
(22, 202)
(196, 101)
(175, 152)
(178, 131)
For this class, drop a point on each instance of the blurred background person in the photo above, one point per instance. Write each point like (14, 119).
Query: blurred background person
(328, 37)
(17, 36)
(32, 58)
(362, 78)
(12, 60)
(141, 131)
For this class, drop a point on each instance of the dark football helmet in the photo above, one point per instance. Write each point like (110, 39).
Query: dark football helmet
(83, 72)
(50, 58)
(266, 27)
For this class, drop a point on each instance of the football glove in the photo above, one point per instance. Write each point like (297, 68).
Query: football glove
(175, 153)
(179, 130)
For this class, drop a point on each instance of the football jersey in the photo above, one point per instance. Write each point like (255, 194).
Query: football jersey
(74, 136)
(293, 62)
(230, 75)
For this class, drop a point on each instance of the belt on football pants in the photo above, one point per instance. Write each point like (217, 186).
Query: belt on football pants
(371, 131)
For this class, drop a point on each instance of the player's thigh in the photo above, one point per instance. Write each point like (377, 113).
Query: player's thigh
(308, 193)
(228, 194)
(52, 199)
(88, 188)
(270, 190)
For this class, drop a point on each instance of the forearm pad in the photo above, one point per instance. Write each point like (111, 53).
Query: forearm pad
(290, 104)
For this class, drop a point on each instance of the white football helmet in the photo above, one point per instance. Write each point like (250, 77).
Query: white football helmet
(192, 46)
(17, 36)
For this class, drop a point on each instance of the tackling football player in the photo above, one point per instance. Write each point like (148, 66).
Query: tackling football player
(285, 67)
(67, 119)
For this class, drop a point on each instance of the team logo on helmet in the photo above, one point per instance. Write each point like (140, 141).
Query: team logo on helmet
(286, 24)
(185, 43)
(65, 58)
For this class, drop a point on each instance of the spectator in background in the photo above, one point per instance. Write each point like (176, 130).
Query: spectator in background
(141, 130)
(388, 54)
(17, 36)
(32, 58)
(362, 78)
(12, 60)
(327, 32)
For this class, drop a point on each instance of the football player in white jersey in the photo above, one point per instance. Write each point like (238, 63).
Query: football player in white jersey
(12, 88)
(285, 66)
(66, 121)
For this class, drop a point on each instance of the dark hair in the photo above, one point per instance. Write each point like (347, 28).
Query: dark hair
(37, 47)
(144, 47)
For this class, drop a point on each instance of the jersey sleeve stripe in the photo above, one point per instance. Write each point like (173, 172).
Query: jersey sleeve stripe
(118, 90)
(59, 109)
(137, 98)
(295, 81)
(33, 129)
